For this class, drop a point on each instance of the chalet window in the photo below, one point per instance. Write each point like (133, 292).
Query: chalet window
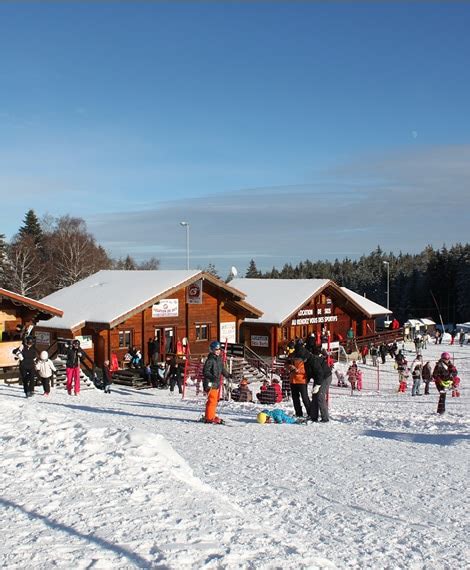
(285, 333)
(202, 332)
(125, 339)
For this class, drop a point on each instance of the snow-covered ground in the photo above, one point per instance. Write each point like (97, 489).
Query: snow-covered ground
(131, 480)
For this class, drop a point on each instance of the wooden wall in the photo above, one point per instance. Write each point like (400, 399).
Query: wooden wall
(142, 326)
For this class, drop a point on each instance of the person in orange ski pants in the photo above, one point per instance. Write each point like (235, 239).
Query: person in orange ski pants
(213, 369)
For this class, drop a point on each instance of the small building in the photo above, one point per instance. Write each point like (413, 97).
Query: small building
(111, 311)
(297, 308)
(17, 314)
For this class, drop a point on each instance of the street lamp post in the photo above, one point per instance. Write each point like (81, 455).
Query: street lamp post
(186, 225)
(387, 263)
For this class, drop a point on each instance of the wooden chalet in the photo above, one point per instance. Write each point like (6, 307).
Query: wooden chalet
(297, 308)
(17, 313)
(111, 311)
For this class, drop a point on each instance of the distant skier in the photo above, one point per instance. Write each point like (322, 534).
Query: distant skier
(446, 378)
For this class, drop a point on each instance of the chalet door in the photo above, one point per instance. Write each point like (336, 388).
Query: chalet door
(165, 340)
(99, 346)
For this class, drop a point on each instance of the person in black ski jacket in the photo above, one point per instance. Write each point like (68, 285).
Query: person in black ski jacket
(27, 354)
(321, 374)
(75, 356)
(213, 369)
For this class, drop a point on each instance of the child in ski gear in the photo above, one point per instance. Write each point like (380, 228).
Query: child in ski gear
(136, 357)
(175, 374)
(355, 376)
(26, 355)
(364, 353)
(242, 393)
(416, 373)
(403, 372)
(340, 376)
(75, 356)
(46, 371)
(213, 369)
(446, 378)
(276, 417)
(107, 377)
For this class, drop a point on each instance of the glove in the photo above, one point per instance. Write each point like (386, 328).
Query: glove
(316, 389)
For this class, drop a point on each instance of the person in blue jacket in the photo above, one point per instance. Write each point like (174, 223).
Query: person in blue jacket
(276, 417)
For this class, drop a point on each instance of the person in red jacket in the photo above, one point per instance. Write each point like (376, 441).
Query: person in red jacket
(276, 387)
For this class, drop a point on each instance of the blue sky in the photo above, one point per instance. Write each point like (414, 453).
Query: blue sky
(280, 131)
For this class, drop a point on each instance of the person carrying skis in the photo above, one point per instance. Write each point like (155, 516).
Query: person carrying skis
(46, 371)
(213, 369)
(26, 355)
(446, 378)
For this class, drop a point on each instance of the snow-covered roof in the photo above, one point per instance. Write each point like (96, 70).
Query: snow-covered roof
(374, 309)
(427, 322)
(45, 309)
(414, 323)
(110, 294)
(278, 298)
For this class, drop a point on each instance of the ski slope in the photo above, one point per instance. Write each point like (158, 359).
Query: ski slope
(132, 480)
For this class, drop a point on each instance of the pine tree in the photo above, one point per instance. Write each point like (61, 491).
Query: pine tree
(31, 228)
(252, 271)
(212, 270)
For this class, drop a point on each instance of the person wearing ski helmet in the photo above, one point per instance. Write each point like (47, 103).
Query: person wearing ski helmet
(213, 370)
(46, 371)
(75, 356)
(277, 417)
(445, 377)
(26, 354)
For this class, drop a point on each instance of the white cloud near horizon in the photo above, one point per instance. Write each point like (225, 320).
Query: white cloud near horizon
(402, 200)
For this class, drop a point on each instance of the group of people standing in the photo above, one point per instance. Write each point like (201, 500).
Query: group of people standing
(33, 365)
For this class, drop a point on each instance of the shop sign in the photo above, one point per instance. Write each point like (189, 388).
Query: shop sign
(194, 293)
(260, 341)
(315, 320)
(43, 337)
(228, 332)
(85, 342)
(165, 308)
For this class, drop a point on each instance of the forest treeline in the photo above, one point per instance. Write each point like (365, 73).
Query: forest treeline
(49, 254)
(420, 285)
